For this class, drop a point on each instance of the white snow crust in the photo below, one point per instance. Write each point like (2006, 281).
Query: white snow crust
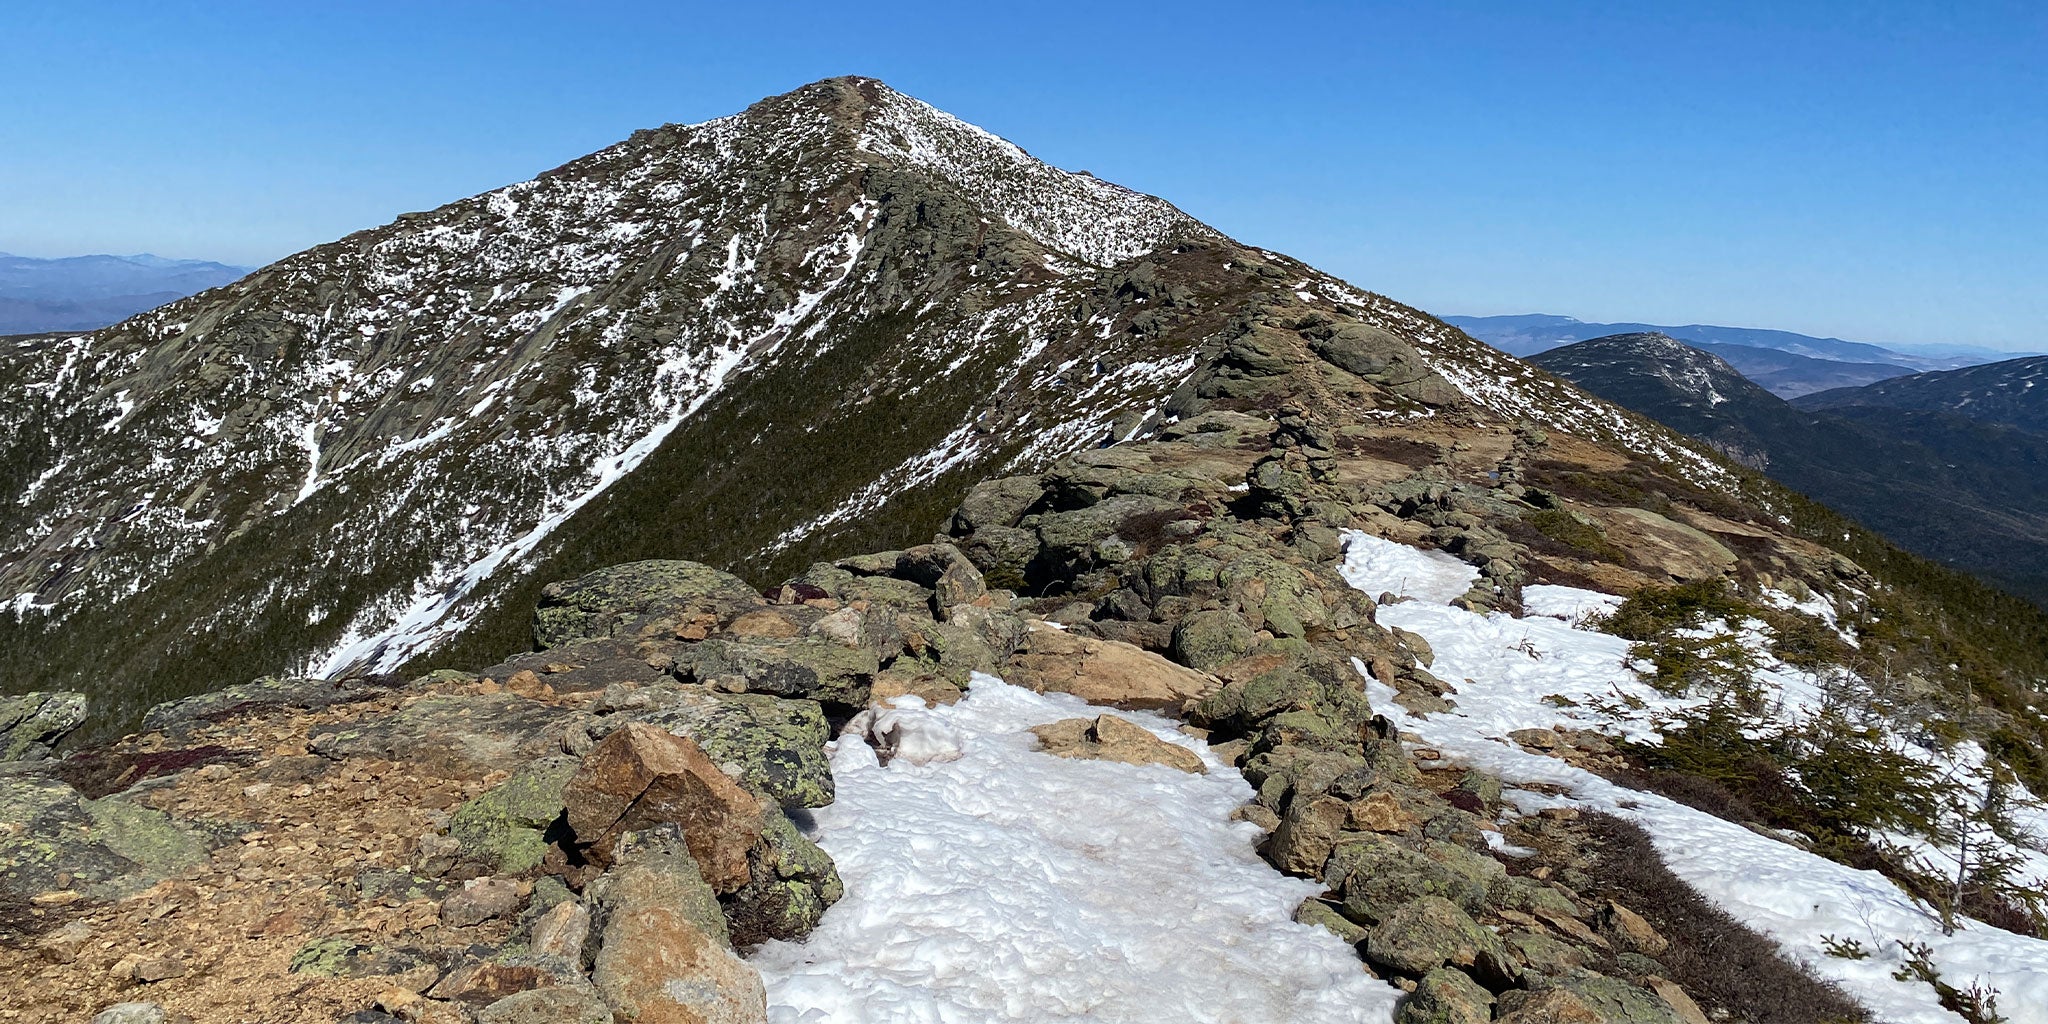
(1006, 884)
(1504, 667)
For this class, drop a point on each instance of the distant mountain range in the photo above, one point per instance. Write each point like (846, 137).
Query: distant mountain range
(1952, 465)
(1788, 375)
(82, 293)
(1528, 334)
(2003, 393)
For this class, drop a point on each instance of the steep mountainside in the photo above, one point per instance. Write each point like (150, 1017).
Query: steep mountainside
(1531, 333)
(80, 293)
(2002, 393)
(1970, 494)
(1789, 376)
(799, 328)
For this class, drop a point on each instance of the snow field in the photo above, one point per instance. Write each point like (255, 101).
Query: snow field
(1503, 667)
(1005, 884)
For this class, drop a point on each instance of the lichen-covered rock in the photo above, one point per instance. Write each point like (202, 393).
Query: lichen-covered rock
(131, 1013)
(638, 598)
(1208, 640)
(1307, 834)
(996, 503)
(776, 745)
(791, 884)
(101, 849)
(505, 827)
(268, 692)
(31, 724)
(1377, 875)
(664, 955)
(809, 667)
(1447, 996)
(1318, 913)
(1549, 1006)
(547, 1006)
(454, 736)
(1074, 541)
(1609, 1000)
(952, 578)
(1430, 932)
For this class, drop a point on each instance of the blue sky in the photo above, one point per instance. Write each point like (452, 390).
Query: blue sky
(1873, 170)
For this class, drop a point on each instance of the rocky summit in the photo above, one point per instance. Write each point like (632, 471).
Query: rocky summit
(614, 554)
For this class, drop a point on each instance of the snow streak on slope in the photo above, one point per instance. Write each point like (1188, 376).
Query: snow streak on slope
(1011, 885)
(1503, 668)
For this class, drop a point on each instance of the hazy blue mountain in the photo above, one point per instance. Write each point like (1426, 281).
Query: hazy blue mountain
(1788, 375)
(1528, 334)
(81, 293)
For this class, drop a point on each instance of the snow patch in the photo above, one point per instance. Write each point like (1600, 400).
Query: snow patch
(1504, 667)
(1010, 885)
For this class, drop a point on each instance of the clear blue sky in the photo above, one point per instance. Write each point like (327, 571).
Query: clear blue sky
(1874, 170)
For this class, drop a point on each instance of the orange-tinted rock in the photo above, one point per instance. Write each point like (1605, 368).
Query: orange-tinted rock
(642, 776)
(1102, 671)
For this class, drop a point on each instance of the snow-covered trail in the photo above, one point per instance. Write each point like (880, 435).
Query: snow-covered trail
(1011, 885)
(1504, 667)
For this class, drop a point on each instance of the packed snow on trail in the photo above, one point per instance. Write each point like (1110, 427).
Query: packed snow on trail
(988, 881)
(1503, 668)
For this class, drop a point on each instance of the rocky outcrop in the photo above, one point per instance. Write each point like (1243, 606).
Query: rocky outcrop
(32, 724)
(591, 830)
(642, 776)
(664, 955)
(1102, 671)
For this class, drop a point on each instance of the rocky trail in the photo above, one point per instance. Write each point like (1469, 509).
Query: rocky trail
(641, 819)
(1226, 663)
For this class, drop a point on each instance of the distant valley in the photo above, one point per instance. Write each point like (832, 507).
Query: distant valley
(1784, 363)
(1948, 464)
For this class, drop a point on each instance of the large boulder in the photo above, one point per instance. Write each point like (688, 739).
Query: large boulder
(1377, 875)
(952, 578)
(1447, 996)
(642, 776)
(664, 955)
(791, 883)
(100, 849)
(505, 827)
(1102, 671)
(1431, 932)
(809, 667)
(261, 694)
(998, 503)
(32, 723)
(771, 744)
(638, 599)
(1105, 533)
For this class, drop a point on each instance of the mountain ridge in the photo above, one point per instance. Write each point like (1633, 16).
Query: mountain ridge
(1527, 334)
(2000, 393)
(88, 292)
(1966, 493)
